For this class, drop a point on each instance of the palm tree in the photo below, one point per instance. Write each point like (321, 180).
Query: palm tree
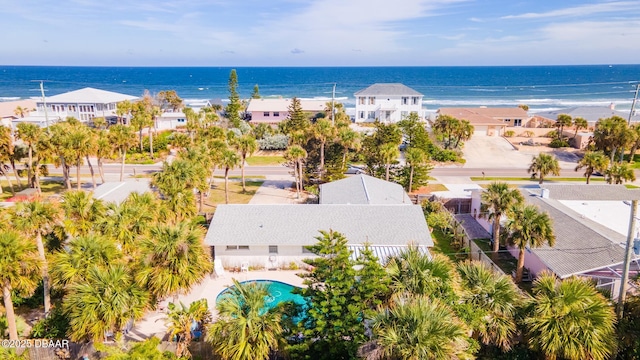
(415, 157)
(389, 152)
(8, 149)
(82, 212)
(229, 160)
(323, 131)
(29, 133)
(246, 146)
(635, 143)
(414, 328)
(619, 173)
(296, 154)
(562, 121)
(528, 227)
(495, 201)
(123, 108)
(180, 321)
(122, 138)
(412, 272)
(80, 144)
(493, 301)
(174, 260)
(20, 111)
(105, 301)
(104, 149)
(19, 272)
(570, 319)
(37, 218)
(543, 165)
(593, 161)
(71, 265)
(349, 139)
(245, 330)
(579, 123)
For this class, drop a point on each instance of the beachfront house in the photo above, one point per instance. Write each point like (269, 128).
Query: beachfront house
(84, 105)
(388, 103)
(273, 111)
(590, 113)
(170, 120)
(364, 209)
(11, 112)
(489, 121)
(590, 223)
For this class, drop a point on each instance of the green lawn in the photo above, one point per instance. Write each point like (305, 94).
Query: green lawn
(630, 186)
(48, 188)
(238, 177)
(265, 160)
(442, 245)
(236, 196)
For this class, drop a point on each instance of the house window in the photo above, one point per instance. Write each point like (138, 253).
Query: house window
(276, 113)
(361, 114)
(265, 114)
(362, 100)
(273, 249)
(182, 120)
(414, 100)
(237, 247)
(372, 100)
(371, 115)
(517, 122)
(306, 251)
(405, 100)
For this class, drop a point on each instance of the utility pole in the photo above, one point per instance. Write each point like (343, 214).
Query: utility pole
(44, 102)
(627, 256)
(633, 104)
(333, 105)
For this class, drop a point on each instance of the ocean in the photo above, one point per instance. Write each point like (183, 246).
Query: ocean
(540, 87)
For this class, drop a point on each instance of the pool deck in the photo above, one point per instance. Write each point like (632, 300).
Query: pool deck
(153, 323)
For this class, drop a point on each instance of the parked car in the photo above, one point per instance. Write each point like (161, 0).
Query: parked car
(355, 170)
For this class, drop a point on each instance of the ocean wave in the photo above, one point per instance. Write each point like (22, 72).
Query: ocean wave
(488, 90)
(9, 98)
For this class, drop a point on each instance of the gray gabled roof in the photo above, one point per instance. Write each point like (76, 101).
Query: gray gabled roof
(363, 189)
(89, 96)
(300, 224)
(581, 245)
(392, 89)
(590, 113)
(118, 191)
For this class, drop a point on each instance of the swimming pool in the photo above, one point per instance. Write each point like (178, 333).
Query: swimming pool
(279, 292)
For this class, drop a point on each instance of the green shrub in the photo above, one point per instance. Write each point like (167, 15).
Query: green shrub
(528, 133)
(441, 155)
(53, 327)
(509, 133)
(552, 134)
(274, 142)
(558, 143)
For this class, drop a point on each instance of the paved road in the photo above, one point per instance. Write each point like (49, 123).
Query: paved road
(113, 170)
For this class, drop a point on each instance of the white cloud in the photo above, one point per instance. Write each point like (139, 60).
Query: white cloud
(579, 11)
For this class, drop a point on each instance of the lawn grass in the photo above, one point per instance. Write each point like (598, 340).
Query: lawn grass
(48, 188)
(442, 244)
(429, 188)
(630, 186)
(238, 177)
(528, 178)
(216, 195)
(265, 160)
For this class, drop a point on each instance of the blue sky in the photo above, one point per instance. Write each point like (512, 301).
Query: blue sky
(319, 32)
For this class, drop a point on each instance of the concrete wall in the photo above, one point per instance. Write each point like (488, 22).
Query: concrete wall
(258, 256)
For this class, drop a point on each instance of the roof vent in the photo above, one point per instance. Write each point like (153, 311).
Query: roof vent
(544, 194)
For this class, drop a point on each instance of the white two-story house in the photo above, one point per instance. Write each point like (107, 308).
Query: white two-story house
(84, 105)
(388, 103)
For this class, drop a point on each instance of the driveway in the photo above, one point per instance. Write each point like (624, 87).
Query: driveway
(493, 152)
(275, 190)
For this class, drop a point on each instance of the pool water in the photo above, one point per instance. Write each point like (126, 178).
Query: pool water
(279, 292)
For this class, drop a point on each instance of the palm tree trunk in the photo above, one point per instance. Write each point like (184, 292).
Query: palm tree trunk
(30, 168)
(226, 185)
(15, 172)
(296, 177)
(151, 142)
(520, 267)
(78, 173)
(387, 166)
(101, 169)
(244, 156)
(496, 238)
(588, 178)
(632, 152)
(140, 136)
(6, 176)
(93, 175)
(321, 158)
(11, 315)
(124, 155)
(36, 177)
(213, 170)
(344, 159)
(410, 179)
(541, 179)
(45, 275)
(65, 173)
(301, 174)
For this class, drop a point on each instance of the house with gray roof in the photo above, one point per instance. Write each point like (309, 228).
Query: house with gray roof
(273, 236)
(587, 244)
(363, 189)
(118, 191)
(388, 103)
